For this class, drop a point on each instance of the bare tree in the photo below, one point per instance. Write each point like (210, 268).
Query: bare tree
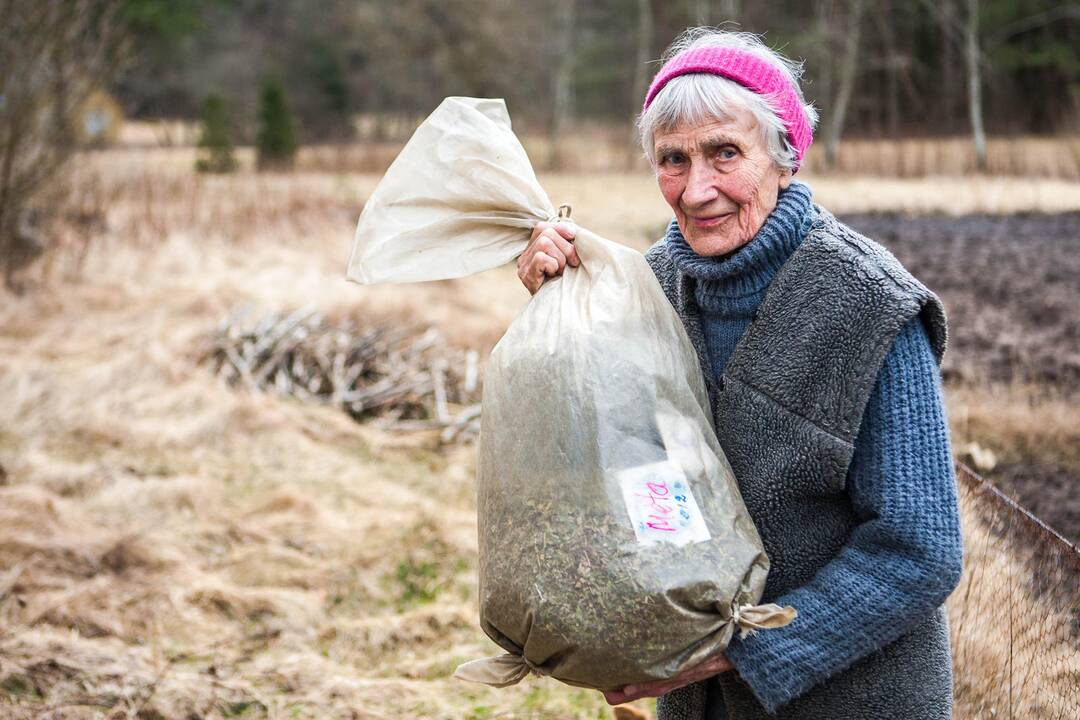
(893, 64)
(966, 36)
(849, 65)
(729, 11)
(641, 70)
(950, 92)
(563, 91)
(699, 11)
(971, 59)
(823, 38)
(53, 54)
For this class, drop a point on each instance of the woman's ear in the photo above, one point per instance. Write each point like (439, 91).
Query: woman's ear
(785, 178)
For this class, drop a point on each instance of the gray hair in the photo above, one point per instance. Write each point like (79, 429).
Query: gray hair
(700, 97)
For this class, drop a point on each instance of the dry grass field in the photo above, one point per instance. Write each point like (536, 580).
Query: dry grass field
(605, 146)
(174, 547)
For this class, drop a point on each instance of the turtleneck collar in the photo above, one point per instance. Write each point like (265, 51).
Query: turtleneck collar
(751, 268)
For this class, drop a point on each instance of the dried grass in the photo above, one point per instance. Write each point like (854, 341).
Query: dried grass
(607, 148)
(1025, 156)
(171, 547)
(1013, 619)
(1017, 422)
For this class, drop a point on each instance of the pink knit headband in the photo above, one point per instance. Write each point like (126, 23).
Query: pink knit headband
(752, 73)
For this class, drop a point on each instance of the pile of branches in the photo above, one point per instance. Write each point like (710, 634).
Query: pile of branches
(405, 378)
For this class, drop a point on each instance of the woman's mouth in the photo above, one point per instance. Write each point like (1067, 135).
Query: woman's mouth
(710, 220)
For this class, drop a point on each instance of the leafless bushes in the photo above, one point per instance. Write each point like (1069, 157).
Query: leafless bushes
(410, 379)
(53, 54)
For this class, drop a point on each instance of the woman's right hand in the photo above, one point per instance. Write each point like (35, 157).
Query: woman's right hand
(549, 251)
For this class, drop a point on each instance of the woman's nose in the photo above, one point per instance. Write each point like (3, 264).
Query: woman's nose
(701, 186)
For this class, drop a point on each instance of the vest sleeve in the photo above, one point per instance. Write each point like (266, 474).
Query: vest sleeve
(902, 560)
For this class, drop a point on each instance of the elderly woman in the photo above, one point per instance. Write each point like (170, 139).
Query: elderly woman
(820, 353)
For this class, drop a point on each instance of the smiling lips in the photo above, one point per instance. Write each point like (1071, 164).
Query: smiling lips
(710, 221)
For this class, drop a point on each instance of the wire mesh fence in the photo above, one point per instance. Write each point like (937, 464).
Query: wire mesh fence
(1015, 617)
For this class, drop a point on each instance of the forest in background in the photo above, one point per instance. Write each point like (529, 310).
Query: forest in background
(914, 87)
(876, 69)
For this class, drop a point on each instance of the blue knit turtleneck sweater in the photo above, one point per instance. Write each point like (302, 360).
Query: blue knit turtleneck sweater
(905, 557)
(730, 289)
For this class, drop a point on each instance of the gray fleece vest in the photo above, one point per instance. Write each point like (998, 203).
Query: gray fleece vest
(787, 411)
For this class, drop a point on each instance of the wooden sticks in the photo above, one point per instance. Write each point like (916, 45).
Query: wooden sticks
(406, 378)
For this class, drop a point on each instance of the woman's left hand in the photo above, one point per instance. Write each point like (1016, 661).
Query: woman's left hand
(628, 693)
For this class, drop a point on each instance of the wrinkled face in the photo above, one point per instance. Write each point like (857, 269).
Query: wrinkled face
(719, 179)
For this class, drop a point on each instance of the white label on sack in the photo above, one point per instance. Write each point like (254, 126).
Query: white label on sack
(661, 506)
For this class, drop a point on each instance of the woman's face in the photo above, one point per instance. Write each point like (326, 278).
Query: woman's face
(719, 179)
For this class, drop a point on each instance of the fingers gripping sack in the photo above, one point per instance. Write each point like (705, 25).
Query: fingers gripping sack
(549, 251)
(614, 545)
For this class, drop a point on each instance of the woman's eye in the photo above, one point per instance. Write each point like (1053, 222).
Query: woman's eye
(727, 153)
(675, 159)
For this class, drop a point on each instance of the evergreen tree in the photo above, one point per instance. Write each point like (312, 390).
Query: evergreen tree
(216, 137)
(276, 140)
(322, 75)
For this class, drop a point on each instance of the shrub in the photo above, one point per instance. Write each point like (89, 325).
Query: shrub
(276, 139)
(216, 137)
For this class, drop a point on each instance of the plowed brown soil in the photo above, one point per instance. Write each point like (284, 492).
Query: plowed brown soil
(1011, 288)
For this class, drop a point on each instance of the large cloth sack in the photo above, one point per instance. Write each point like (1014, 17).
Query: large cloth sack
(614, 545)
